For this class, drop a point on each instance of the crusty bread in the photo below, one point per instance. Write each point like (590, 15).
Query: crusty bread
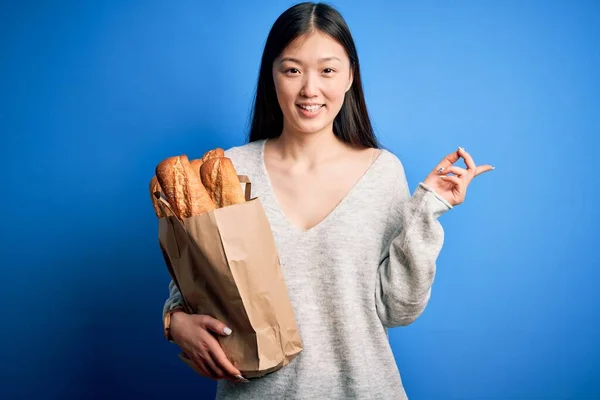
(196, 164)
(214, 153)
(155, 187)
(221, 181)
(183, 187)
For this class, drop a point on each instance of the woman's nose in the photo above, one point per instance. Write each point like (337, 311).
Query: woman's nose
(310, 87)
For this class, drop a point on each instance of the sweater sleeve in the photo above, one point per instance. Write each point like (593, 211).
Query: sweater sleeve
(174, 299)
(406, 274)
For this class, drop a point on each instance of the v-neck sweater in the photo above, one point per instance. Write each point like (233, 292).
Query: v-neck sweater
(369, 265)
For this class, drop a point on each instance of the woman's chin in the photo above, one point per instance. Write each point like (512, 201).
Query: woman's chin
(311, 129)
(308, 126)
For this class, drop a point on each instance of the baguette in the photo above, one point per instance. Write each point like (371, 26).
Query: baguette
(215, 153)
(183, 187)
(155, 187)
(221, 181)
(196, 164)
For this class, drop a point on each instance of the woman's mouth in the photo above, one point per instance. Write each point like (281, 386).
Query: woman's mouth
(310, 111)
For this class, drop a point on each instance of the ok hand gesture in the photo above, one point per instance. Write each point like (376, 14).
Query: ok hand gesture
(454, 188)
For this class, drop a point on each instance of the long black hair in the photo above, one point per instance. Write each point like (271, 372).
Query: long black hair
(352, 124)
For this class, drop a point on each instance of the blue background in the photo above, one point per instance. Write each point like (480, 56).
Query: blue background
(94, 94)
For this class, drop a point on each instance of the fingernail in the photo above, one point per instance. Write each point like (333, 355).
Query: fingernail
(440, 169)
(241, 378)
(493, 167)
(461, 148)
(227, 331)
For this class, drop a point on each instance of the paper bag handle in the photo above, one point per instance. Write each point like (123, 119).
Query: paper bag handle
(162, 202)
(246, 180)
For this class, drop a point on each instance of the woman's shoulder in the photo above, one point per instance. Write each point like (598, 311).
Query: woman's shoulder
(392, 161)
(391, 167)
(389, 177)
(251, 149)
(246, 156)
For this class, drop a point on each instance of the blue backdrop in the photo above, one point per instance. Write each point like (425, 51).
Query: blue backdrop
(94, 94)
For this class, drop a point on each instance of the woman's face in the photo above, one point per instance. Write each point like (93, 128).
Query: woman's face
(311, 77)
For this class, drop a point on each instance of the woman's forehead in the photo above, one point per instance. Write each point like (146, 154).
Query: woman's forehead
(315, 46)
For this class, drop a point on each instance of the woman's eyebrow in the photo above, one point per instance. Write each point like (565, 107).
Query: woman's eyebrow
(324, 59)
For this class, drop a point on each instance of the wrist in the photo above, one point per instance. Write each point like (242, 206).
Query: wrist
(176, 316)
(170, 317)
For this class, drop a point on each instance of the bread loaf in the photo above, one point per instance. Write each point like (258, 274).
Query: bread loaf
(215, 153)
(155, 187)
(183, 187)
(221, 181)
(196, 164)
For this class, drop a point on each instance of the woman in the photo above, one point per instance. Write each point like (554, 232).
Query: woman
(358, 252)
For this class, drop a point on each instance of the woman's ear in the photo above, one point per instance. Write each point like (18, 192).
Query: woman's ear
(350, 79)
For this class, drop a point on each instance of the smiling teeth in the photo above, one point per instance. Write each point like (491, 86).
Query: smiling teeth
(311, 108)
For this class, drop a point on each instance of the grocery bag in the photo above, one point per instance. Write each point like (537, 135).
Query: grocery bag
(226, 265)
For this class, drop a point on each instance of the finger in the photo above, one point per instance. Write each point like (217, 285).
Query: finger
(468, 159)
(205, 342)
(218, 355)
(220, 373)
(483, 168)
(198, 364)
(458, 171)
(224, 363)
(214, 325)
(447, 161)
(204, 371)
(212, 366)
(453, 179)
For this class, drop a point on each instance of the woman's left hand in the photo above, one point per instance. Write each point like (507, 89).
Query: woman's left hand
(454, 188)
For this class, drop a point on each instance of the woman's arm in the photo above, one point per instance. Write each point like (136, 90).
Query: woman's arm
(406, 274)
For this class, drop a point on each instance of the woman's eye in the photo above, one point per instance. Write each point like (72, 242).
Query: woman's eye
(291, 70)
(328, 70)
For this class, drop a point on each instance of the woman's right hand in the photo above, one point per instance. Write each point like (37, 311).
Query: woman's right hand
(194, 334)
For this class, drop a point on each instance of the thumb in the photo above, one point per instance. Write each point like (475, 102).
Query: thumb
(211, 324)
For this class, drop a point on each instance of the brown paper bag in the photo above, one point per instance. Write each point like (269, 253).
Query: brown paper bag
(225, 264)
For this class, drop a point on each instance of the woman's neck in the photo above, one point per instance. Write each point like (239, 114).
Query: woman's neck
(308, 149)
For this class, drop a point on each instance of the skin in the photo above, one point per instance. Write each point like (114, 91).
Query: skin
(196, 336)
(310, 170)
(453, 188)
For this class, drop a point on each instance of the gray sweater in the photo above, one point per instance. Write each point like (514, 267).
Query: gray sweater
(368, 266)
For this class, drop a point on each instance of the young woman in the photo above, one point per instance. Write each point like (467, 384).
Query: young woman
(358, 251)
